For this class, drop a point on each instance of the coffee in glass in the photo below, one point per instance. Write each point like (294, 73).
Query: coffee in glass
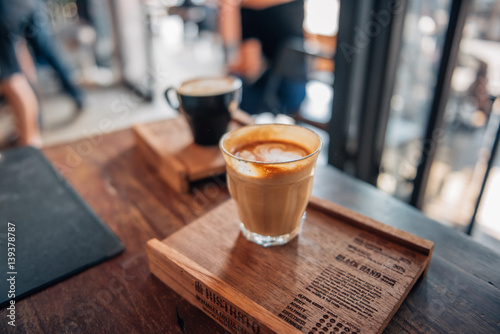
(270, 171)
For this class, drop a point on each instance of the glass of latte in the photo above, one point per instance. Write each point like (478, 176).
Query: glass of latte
(270, 171)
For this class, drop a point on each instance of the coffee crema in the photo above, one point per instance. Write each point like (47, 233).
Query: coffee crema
(207, 86)
(271, 151)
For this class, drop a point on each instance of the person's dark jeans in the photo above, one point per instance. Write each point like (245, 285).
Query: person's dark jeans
(260, 96)
(8, 61)
(37, 32)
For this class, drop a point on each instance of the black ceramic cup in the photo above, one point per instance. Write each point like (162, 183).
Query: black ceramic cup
(207, 104)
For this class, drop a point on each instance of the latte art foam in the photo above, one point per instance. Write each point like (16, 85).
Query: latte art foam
(271, 151)
(207, 86)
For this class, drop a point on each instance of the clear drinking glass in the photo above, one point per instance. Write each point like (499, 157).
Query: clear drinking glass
(271, 197)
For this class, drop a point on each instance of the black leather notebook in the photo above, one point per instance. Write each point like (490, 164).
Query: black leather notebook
(47, 231)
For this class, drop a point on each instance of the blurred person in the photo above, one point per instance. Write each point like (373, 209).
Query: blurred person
(254, 33)
(17, 91)
(479, 90)
(28, 19)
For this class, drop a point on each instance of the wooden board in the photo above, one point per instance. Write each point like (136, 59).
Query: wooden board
(345, 273)
(168, 147)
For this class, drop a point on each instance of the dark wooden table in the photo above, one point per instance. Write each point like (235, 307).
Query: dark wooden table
(459, 295)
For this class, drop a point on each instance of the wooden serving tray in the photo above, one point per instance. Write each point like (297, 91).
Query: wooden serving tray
(168, 147)
(345, 273)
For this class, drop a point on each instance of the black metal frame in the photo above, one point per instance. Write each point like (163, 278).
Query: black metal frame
(458, 14)
(364, 81)
(495, 118)
(368, 47)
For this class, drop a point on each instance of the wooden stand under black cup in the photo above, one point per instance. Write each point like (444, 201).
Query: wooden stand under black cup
(168, 147)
